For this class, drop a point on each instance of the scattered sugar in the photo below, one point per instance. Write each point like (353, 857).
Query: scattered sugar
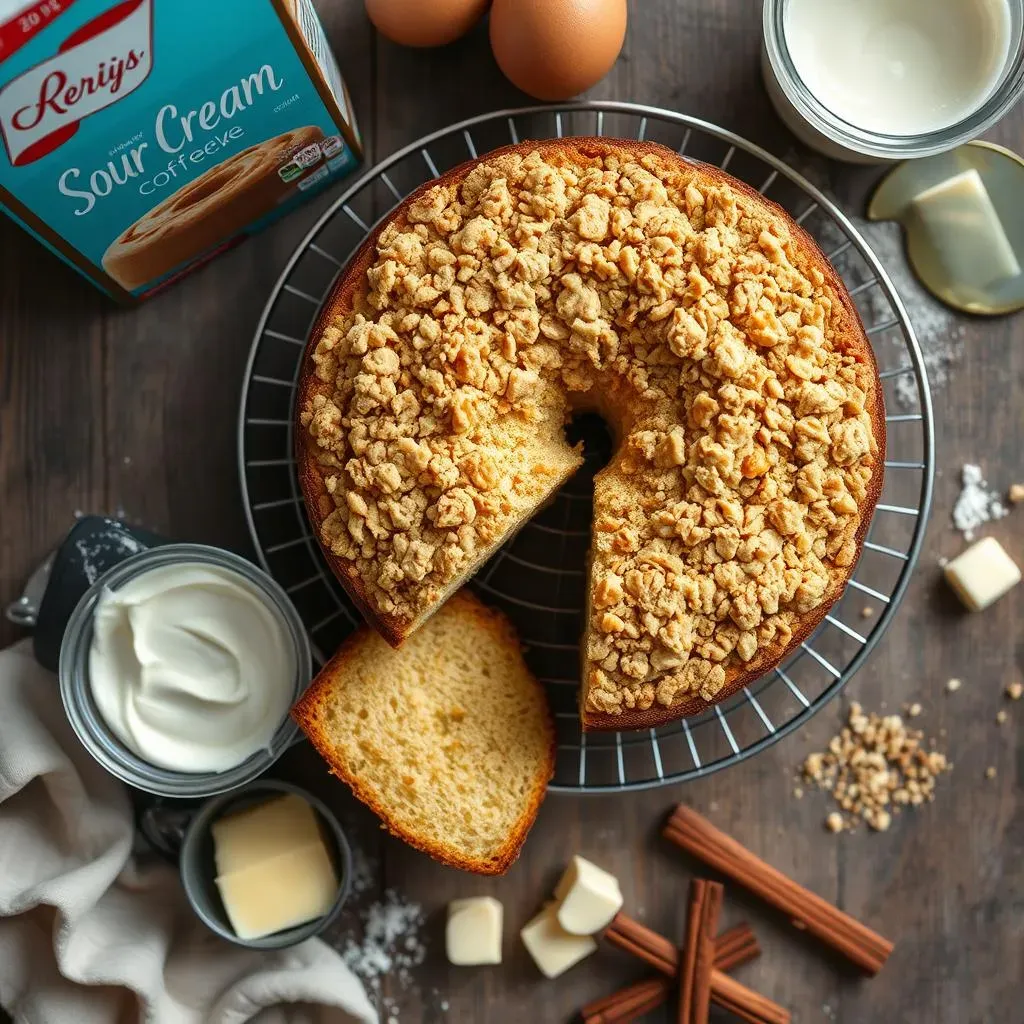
(977, 503)
(391, 943)
(100, 551)
(364, 875)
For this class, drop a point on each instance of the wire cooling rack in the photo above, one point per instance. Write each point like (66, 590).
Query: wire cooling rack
(538, 577)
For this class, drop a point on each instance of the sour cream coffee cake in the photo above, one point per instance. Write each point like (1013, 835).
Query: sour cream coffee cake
(694, 315)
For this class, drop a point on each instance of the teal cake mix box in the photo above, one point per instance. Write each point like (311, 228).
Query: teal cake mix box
(143, 137)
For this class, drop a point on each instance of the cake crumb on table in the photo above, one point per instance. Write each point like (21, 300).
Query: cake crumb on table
(1000, 717)
(866, 612)
(953, 685)
(1015, 690)
(914, 710)
(1016, 494)
(873, 767)
(990, 772)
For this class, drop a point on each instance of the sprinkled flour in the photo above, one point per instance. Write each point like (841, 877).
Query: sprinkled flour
(977, 504)
(391, 943)
(939, 333)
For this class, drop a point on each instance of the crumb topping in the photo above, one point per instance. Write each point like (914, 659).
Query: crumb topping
(687, 315)
(873, 767)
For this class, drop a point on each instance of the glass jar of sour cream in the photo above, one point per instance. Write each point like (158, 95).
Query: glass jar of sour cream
(179, 667)
(872, 80)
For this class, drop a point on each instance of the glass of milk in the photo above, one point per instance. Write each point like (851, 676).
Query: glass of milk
(871, 80)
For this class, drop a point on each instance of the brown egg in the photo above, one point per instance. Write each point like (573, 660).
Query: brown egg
(424, 22)
(554, 49)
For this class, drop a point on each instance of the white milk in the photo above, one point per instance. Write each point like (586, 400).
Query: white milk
(899, 67)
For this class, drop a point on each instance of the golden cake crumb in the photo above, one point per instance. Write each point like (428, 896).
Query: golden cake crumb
(990, 772)
(874, 766)
(685, 313)
(1015, 691)
(1001, 717)
(1016, 494)
(952, 685)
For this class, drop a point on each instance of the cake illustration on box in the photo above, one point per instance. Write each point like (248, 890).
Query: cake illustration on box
(136, 148)
(208, 210)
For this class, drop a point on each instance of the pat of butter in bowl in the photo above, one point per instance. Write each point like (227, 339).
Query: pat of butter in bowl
(273, 869)
(190, 667)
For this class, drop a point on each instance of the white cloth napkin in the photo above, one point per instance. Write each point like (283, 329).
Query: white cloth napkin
(91, 935)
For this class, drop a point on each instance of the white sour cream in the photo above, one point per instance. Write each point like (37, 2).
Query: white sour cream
(191, 667)
(899, 67)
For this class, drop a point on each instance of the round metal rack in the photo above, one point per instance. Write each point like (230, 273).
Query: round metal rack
(538, 577)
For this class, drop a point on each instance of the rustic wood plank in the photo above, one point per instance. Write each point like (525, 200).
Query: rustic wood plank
(52, 411)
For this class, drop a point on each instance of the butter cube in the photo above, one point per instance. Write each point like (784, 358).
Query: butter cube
(966, 231)
(554, 950)
(273, 869)
(588, 896)
(982, 574)
(473, 933)
(262, 832)
(283, 892)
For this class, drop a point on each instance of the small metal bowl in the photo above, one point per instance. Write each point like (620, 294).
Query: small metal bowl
(199, 871)
(93, 731)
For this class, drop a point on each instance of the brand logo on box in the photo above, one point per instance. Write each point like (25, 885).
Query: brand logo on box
(102, 62)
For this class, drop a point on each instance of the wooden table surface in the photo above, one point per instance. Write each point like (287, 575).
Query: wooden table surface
(134, 412)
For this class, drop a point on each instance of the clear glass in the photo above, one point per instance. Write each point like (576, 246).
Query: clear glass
(824, 130)
(89, 725)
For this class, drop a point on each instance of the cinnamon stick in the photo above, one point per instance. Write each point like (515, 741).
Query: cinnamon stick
(688, 954)
(642, 942)
(733, 947)
(629, 1003)
(736, 946)
(698, 954)
(713, 894)
(745, 1003)
(657, 951)
(836, 929)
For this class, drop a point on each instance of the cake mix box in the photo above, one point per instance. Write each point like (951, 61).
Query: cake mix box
(142, 137)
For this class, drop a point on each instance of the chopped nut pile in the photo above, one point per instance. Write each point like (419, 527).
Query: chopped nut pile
(874, 767)
(687, 313)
